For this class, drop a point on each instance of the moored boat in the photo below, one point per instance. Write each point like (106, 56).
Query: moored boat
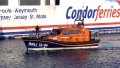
(63, 38)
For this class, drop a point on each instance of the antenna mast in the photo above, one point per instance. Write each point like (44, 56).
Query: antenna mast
(80, 18)
(83, 10)
(67, 23)
(83, 15)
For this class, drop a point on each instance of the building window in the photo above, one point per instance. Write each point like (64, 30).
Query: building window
(57, 2)
(3, 2)
(30, 2)
(47, 2)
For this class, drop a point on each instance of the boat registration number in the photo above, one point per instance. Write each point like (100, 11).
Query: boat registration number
(37, 44)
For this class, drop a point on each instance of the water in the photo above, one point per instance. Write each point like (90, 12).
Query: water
(13, 55)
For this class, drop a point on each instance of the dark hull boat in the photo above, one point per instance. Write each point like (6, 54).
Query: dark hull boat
(63, 38)
(44, 44)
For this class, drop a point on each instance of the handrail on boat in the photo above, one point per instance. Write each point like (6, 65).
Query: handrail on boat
(32, 33)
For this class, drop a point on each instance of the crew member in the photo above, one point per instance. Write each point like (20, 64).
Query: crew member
(82, 22)
(37, 29)
(79, 24)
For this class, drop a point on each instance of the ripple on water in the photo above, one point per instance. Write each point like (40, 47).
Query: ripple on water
(13, 55)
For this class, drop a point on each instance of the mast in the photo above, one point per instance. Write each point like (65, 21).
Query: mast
(80, 18)
(83, 14)
(67, 23)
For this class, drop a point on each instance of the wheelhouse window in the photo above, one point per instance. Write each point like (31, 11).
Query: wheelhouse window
(57, 2)
(65, 32)
(71, 31)
(77, 31)
(3, 2)
(56, 31)
(47, 2)
(30, 2)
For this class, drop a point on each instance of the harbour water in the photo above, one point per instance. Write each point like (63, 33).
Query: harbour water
(13, 55)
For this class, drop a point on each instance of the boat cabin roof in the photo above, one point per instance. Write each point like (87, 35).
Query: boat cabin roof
(65, 31)
(73, 28)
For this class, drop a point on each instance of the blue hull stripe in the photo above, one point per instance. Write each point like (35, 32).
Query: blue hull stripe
(49, 44)
(26, 32)
(22, 32)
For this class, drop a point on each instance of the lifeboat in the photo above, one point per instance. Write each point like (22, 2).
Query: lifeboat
(74, 37)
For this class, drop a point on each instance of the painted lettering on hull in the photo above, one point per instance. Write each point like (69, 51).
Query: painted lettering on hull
(33, 10)
(38, 44)
(21, 14)
(97, 13)
(21, 17)
(38, 16)
(5, 17)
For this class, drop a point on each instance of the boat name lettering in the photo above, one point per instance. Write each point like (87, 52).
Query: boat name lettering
(38, 44)
(96, 13)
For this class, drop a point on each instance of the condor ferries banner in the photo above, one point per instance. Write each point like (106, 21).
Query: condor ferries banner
(98, 15)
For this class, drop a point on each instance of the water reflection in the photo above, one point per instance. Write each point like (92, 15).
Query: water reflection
(58, 59)
(12, 55)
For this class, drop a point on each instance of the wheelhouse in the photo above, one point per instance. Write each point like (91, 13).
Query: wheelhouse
(76, 34)
(55, 31)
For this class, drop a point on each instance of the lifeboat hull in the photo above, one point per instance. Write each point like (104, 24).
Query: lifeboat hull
(43, 44)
